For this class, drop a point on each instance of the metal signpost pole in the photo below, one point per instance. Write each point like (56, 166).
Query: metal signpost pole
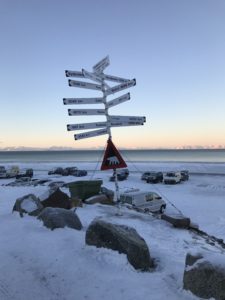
(98, 77)
(110, 137)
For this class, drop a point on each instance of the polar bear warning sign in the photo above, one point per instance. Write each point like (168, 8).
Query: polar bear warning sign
(112, 158)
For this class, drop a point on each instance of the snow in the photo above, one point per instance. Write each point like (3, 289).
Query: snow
(37, 263)
(28, 205)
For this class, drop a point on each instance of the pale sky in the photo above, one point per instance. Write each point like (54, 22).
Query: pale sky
(174, 48)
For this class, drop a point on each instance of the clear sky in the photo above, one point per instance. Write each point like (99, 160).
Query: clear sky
(174, 48)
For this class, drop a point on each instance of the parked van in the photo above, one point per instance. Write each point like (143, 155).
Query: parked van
(148, 201)
(2, 172)
(13, 172)
(172, 178)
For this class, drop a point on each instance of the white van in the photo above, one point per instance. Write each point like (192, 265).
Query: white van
(172, 178)
(146, 201)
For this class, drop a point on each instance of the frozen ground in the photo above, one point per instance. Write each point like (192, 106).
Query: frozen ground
(36, 263)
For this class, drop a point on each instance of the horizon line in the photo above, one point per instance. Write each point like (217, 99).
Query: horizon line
(12, 149)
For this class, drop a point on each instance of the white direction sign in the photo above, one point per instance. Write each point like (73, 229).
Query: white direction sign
(124, 123)
(120, 87)
(113, 78)
(85, 85)
(74, 74)
(101, 65)
(67, 101)
(83, 126)
(127, 119)
(91, 76)
(89, 134)
(86, 112)
(118, 100)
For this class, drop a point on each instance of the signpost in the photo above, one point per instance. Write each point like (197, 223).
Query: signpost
(85, 85)
(118, 100)
(127, 119)
(85, 112)
(89, 134)
(121, 87)
(91, 76)
(112, 158)
(101, 65)
(69, 101)
(83, 126)
(113, 78)
(74, 74)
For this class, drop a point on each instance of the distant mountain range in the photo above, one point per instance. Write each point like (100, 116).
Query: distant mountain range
(61, 148)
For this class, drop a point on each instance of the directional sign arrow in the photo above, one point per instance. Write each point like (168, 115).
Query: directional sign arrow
(121, 87)
(83, 126)
(67, 101)
(101, 65)
(95, 77)
(74, 74)
(85, 85)
(91, 76)
(118, 100)
(124, 123)
(127, 119)
(113, 78)
(86, 112)
(89, 134)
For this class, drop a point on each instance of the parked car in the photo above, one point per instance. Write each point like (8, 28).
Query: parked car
(80, 173)
(155, 177)
(27, 173)
(57, 171)
(70, 171)
(121, 175)
(184, 175)
(2, 172)
(125, 171)
(145, 175)
(144, 200)
(172, 178)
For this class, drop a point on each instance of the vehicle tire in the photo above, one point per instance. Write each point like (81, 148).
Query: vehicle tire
(162, 209)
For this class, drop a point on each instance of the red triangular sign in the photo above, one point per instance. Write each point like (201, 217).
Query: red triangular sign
(112, 158)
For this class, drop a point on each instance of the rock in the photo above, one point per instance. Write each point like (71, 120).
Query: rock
(29, 204)
(56, 198)
(102, 199)
(109, 193)
(59, 218)
(121, 238)
(204, 275)
(176, 220)
(54, 185)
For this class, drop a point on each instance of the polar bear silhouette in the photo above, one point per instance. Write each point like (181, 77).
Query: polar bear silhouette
(113, 160)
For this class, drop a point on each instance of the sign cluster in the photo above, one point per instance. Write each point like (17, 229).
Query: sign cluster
(99, 78)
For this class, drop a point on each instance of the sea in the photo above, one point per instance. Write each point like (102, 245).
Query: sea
(135, 156)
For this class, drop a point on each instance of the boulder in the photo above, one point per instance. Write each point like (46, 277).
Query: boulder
(29, 204)
(59, 218)
(177, 220)
(56, 198)
(204, 275)
(121, 238)
(109, 193)
(102, 199)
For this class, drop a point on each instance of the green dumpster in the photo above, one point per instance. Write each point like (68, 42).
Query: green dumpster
(84, 189)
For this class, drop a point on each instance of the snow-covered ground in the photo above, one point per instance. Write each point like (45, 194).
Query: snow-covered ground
(36, 263)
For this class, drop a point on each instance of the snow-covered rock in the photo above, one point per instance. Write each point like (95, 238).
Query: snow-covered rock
(28, 204)
(121, 238)
(59, 218)
(204, 275)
